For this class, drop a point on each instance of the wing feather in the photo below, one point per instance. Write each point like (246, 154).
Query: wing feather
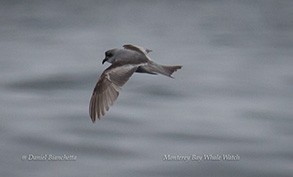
(107, 89)
(137, 48)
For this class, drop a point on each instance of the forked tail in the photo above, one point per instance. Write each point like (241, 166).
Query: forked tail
(170, 70)
(161, 69)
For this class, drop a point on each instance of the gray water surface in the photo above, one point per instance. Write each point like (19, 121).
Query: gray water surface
(232, 97)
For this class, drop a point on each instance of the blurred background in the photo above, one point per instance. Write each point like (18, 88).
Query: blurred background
(233, 95)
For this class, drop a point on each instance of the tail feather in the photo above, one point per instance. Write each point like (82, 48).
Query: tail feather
(161, 69)
(171, 69)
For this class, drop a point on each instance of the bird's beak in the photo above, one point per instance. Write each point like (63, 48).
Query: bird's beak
(104, 60)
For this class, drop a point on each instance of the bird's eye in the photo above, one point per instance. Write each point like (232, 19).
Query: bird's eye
(108, 54)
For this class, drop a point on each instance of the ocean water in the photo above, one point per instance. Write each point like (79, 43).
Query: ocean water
(233, 96)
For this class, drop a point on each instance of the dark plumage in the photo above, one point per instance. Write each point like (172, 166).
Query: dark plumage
(124, 63)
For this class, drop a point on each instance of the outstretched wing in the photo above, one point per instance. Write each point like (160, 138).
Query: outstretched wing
(107, 89)
(137, 48)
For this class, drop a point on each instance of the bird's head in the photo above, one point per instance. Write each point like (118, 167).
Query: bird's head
(109, 56)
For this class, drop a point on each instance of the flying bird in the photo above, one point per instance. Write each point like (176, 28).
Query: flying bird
(124, 62)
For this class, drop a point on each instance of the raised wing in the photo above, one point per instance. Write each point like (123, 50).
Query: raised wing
(107, 89)
(137, 48)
